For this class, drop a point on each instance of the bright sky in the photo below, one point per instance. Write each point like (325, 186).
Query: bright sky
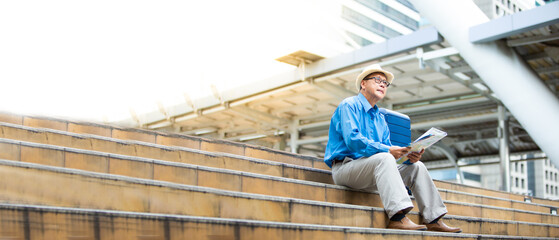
(96, 60)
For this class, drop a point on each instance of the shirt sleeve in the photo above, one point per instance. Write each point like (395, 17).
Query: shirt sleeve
(386, 136)
(352, 136)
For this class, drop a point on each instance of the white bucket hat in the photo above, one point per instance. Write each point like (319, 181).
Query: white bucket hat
(372, 69)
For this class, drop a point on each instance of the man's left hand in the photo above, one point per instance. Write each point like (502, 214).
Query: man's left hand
(415, 156)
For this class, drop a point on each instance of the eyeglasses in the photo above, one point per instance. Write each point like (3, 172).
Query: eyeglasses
(378, 80)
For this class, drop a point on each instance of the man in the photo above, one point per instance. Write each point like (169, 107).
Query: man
(361, 157)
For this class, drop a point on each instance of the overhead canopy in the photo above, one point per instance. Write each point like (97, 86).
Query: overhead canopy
(434, 85)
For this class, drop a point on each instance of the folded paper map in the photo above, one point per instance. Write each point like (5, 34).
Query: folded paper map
(429, 138)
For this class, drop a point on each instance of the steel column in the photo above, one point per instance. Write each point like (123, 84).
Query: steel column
(504, 151)
(513, 82)
(294, 138)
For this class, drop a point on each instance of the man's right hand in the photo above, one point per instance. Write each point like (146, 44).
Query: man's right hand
(398, 152)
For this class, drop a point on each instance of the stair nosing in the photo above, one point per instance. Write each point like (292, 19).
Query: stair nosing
(193, 166)
(241, 173)
(230, 193)
(151, 132)
(173, 185)
(166, 163)
(223, 154)
(154, 132)
(248, 222)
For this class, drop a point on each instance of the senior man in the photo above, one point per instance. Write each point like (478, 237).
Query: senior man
(361, 157)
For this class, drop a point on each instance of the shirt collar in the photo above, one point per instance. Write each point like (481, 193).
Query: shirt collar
(365, 103)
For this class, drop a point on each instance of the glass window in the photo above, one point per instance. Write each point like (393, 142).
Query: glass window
(407, 4)
(367, 23)
(472, 176)
(391, 13)
(359, 40)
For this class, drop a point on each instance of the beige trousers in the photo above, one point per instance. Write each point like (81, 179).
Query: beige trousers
(381, 173)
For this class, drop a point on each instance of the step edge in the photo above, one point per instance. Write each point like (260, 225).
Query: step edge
(155, 132)
(248, 222)
(217, 191)
(219, 154)
(206, 168)
(176, 185)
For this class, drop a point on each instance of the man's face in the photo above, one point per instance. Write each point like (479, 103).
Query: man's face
(373, 89)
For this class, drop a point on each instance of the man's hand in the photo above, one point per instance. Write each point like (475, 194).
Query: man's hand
(415, 156)
(397, 152)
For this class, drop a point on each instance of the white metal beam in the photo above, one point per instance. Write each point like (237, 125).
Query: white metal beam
(399, 88)
(291, 94)
(455, 121)
(299, 106)
(440, 66)
(294, 136)
(333, 89)
(451, 104)
(440, 53)
(260, 117)
(312, 140)
(504, 151)
(530, 40)
(414, 73)
(482, 30)
(494, 61)
(451, 155)
(446, 93)
(201, 131)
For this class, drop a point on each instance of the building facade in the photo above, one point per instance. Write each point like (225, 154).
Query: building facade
(498, 8)
(533, 177)
(539, 178)
(365, 22)
(542, 179)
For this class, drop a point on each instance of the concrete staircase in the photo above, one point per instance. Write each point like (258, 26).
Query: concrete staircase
(62, 179)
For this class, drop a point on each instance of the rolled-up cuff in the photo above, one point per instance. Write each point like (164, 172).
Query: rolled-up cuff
(384, 148)
(429, 216)
(400, 207)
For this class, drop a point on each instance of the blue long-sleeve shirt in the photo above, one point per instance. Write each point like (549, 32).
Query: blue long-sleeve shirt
(357, 130)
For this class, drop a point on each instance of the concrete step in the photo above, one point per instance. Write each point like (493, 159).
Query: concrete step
(62, 187)
(167, 153)
(163, 138)
(233, 180)
(45, 222)
(145, 149)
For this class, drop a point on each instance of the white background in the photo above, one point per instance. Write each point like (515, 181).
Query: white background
(96, 60)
